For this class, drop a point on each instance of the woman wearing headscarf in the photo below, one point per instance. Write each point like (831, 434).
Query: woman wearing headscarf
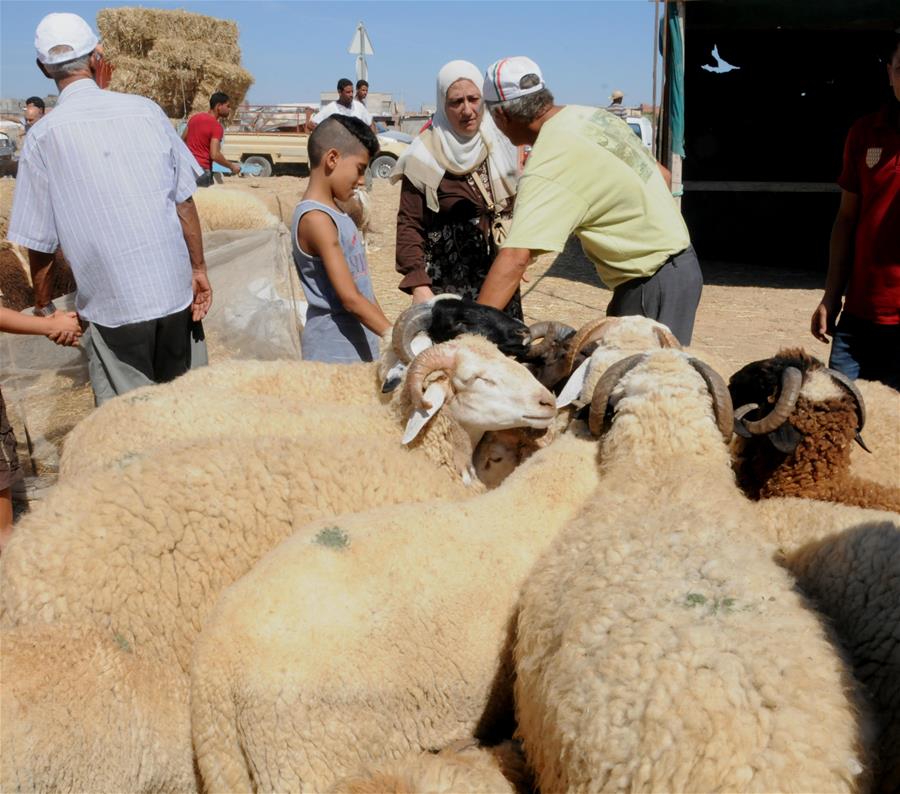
(459, 181)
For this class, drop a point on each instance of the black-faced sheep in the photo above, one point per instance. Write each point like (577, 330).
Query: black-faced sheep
(659, 647)
(797, 421)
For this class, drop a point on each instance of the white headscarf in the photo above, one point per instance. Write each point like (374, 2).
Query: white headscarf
(440, 149)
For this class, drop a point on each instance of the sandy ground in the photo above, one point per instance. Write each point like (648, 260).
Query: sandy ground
(746, 313)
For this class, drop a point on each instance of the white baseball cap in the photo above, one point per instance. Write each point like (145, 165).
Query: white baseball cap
(503, 78)
(63, 30)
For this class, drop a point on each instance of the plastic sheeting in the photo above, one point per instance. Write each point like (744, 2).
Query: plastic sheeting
(257, 313)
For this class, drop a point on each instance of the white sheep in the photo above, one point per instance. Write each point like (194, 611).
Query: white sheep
(847, 560)
(224, 208)
(882, 435)
(463, 767)
(659, 647)
(375, 635)
(81, 712)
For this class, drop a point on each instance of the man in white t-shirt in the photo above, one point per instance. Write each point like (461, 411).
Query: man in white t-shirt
(345, 104)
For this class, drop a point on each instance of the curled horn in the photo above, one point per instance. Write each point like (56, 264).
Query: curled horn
(428, 361)
(791, 381)
(722, 407)
(666, 337)
(547, 332)
(587, 333)
(604, 387)
(415, 319)
(850, 387)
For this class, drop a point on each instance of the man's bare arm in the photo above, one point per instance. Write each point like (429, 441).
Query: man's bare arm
(215, 154)
(504, 277)
(193, 238)
(42, 266)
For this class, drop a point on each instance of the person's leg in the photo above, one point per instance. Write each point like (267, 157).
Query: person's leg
(120, 359)
(172, 348)
(877, 351)
(627, 299)
(844, 344)
(676, 290)
(205, 179)
(9, 473)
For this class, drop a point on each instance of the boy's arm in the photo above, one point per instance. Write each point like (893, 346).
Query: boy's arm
(320, 238)
(62, 327)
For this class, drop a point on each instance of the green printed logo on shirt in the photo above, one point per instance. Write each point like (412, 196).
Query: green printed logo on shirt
(619, 139)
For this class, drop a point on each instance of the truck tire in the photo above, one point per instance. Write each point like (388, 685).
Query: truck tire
(263, 162)
(382, 166)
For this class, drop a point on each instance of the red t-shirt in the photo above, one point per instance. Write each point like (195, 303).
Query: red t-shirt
(872, 171)
(201, 129)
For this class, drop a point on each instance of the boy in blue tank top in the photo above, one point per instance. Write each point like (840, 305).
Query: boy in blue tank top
(344, 320)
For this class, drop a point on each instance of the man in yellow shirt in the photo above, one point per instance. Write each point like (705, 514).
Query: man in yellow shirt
(589, 174)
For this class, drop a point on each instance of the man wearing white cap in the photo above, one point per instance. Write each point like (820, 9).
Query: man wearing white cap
(589, 175)
(615, 105)
(106, 177)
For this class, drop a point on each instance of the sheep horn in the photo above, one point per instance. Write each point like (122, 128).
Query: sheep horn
(850, 387)
(739, 414)
(604, 387)
(434, 358)
(666, 338)
(547, 331)
(590, 332)
(791, 382)
(412, 321)
(721, 397)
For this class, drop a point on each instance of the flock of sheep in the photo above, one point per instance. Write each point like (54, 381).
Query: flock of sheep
(500, 558)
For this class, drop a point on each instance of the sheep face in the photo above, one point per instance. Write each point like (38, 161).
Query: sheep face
(497, 393)
(450, 319)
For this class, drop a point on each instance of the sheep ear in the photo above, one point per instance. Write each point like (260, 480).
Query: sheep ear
(435, 394)
(574, 385)
(393, 378)
(785, 438)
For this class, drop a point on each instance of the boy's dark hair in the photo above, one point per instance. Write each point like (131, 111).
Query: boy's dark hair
(361, 83)
(219, 98)
(342, 82)
(347, 134)
(893, 46)
(36, 101)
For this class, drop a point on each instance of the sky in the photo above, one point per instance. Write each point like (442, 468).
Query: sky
(297, 49)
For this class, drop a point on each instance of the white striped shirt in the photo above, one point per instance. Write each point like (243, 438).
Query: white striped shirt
(100, 176)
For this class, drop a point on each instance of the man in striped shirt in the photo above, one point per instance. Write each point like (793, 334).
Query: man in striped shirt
(106, 177)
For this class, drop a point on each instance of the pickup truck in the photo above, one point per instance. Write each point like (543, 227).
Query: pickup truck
(274, 148)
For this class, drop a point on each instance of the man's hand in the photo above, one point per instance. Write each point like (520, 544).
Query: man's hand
(64, 328)
(821, 325)
(202, 295)
(235, 169)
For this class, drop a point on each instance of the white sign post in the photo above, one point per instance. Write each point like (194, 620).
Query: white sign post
(361, 47)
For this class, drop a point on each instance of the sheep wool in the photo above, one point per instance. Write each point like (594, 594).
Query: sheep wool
(461, 767)
(882, 436)
(221, 208)
(847, 560)
(375, 635)
(81, 712)
(659, 647)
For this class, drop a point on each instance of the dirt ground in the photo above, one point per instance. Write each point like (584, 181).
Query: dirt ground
(746, 312)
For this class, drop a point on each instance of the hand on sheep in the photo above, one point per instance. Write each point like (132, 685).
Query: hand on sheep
(64, 328)
(202, 295)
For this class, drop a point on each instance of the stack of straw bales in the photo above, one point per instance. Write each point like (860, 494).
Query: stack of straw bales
(176, 58)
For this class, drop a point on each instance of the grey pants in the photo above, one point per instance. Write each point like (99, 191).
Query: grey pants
(130, 356)
(670, 296)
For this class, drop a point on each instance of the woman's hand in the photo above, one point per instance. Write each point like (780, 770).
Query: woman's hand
(422, 294)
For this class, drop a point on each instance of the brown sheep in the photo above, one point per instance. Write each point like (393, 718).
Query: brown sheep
(801, 446)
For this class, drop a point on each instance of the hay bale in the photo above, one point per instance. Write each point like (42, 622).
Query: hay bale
(176, 58)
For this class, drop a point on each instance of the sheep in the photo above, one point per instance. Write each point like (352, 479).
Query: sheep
(375, 635)
(122, 426)
(81, 712)
(658, 647)
(846, 560)
(801, 446)
(224, 208)
(547, 357)
(464, 766)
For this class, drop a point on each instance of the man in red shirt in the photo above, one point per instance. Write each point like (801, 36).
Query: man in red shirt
(864, 259)
(203, 136)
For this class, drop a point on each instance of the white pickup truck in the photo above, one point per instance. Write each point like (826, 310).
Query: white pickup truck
(271, 149)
